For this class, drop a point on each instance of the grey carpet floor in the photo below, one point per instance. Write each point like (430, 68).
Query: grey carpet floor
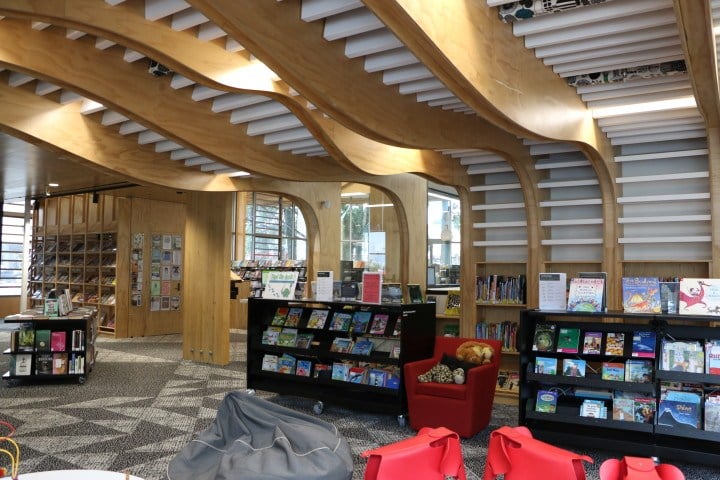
(142, 403)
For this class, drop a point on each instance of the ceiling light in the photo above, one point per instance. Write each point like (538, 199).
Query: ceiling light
(673, 104)
(354, 194)
(52, 184)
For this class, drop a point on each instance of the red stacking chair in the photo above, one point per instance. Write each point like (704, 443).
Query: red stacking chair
(638, 468)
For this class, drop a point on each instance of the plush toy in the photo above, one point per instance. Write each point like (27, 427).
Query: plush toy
(439, 373)
(459, 376)
(478, 353)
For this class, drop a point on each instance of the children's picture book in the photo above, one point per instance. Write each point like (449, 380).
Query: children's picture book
(398, 327)
(699, 296)
(341, 345)
(552, 291)
(546, 365)
(574, 367)
(362, 346)
(280, 316)
(678, 408)
(585, 295)
(392, 379)
(395, 351)
(340, 322)
(415, 294)
(712, 413)
(280, 284)
(452, 307)
(592, 342)
(286, 364)
(623, 409)
(593, 408)
(712, 357)
(641, 295)
(669, 292)
(322, 371)
(357, 375)
(287, 337)
(546, 401)
(644, 409)
(392, 293)
(544, 338)
(639, 371)
(376, 377)
(304, 340)
(360, 321)
(613, 371)
(643, 344)
(379, 324)
(615, 343)
(682, 356)
(293, 317)
(303, 368)
(340, 371)
(568, 340)
(270, 363)
(317, 318)
(270, 335)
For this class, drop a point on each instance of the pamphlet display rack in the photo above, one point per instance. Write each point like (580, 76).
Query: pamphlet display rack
(408, 334)
(557, 417)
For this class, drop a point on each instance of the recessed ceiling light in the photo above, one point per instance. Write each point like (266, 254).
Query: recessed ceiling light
(52, 184)
(672, 104)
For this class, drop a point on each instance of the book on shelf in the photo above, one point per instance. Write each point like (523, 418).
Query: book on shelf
(544, 337)
(391, 293)
(372, 287)
(613, 371)
(26, 339)
(699, 296)
(340, 322)
(451, 330)
(379, 324)
(615, 343)
(623, 409)
(454, 300)
(376, 377)
(678, 408)
(574, 367)
(280, 284)
(592, 392)
(304, 340)
(60, 363)
(362, 346)
(638, 371)
(641, 295)
(360, 321)
(303, 368)
(592, 342)
(546, 365)
(358, 375)
(348, 290)
(552, 291)
(395, 351)
(322, 371)
(42, 340)
(593, 408)
(415, 294)
(293, 317)
(397, 328)
(392, 379)
(341, 345)
(669, 292)
(340, 371)
(44, 364)
(568, 340)
(682, 356)
(586, 295)
(712, 413)
(644, 409)
(280, 316)
(270, 335)
(286, 364)
(58, 341)
(600, 276)
(317, 318)
(269, 363)
(643, 344)
(712, 357)
(21, 364)
(287, 337)
(546, 401)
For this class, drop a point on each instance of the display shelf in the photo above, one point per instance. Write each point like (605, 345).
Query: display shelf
(415, 340)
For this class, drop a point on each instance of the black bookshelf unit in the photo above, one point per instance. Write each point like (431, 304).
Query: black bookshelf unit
(415, 341)
(566, 426)
(67, 352)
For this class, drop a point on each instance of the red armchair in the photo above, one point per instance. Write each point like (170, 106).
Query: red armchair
(464, 409)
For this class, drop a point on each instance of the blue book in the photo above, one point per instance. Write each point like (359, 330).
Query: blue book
(546, 401)
(360, 321)
(546, 365)
(643, 344)
(362, 347)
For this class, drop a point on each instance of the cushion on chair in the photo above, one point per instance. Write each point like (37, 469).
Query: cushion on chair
(447, 390)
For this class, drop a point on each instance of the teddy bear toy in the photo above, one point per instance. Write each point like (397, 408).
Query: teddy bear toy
(478, 353)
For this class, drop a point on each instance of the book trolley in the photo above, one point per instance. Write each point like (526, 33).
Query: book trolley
(313, 366)
(554, 406)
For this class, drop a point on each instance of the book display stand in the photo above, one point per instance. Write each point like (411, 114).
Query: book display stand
(641, 392)
(366, 373)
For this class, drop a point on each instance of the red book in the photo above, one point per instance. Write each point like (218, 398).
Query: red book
(57, 341)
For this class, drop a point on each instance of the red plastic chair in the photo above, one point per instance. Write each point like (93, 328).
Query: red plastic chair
(514, 453)
(638, 468)
(465, 408)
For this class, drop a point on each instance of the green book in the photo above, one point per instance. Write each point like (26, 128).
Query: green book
(42, 340)
(568, 340)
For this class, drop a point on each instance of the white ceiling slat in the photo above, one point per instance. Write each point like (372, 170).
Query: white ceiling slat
(549, 165)
(350, 23)
(608, 90)
(89, 107)
(132, 56)
(257, 112)
(114, 2)
(232, 45)
(553, 147)
(39, 25)
(406, 74)
(418, 86)
(182, 154)
(654, 130)
(157, 9)
(273, 124)
(71, 34)
(130, 127)
(621, 65)
(689, 122)
(308, 151)
(230, 101)
(148, 136)
(662, 137)
(298, 144)
(45, 88)
(103, 43)
(66, 96)
(482, 170)
(178, 81)
(641, 98)
(195, 161)
(600, 29)
(496, 187)
(313, 10)
(17, 79)
(167, 146)
(371, 42)
(455, 106)
(210, 31)
(211, 167)
(440, 101)
(645, 57)
(638, 118)
(111, 117)
(186, 19)
(625, 48)
(391, 59)
(287, 136)
(201, 92)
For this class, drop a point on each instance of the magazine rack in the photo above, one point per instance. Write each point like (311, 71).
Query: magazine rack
(567, 426)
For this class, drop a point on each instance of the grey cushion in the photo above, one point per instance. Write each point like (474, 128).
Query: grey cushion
(252, 438)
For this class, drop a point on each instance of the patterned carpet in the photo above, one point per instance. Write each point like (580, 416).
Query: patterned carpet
(141, 404)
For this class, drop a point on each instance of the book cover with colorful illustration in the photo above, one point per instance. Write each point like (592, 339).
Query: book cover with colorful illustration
(641, 295)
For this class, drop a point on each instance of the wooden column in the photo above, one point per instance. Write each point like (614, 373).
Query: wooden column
(206, 290)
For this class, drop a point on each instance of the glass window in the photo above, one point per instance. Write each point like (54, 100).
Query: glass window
(12, 249)
(443, 238)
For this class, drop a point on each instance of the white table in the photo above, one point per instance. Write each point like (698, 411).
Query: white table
(73, 475)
